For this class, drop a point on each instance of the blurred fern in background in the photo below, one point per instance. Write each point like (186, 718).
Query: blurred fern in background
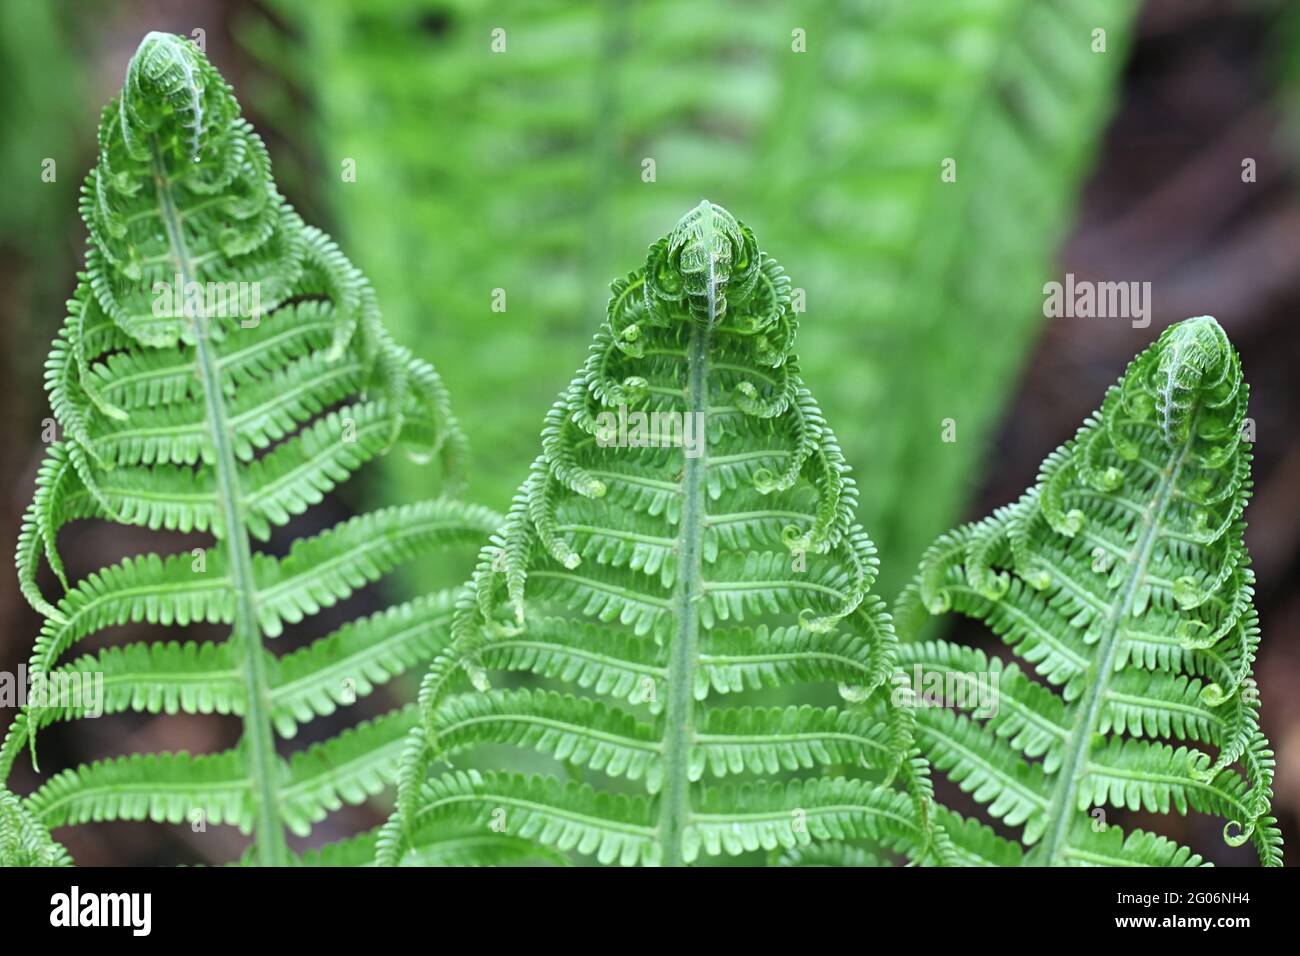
(33, 47)
(524, 170)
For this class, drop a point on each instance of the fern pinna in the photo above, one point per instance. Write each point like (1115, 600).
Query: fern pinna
(1122, 578)
(229, 421)
(686, 536)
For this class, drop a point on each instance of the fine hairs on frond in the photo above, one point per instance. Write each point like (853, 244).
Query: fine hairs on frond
(222, 367)
(1122, 583)
(686, 536)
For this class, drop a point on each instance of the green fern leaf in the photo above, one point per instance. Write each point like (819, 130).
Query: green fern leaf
(827, 854)
(221, 369)
(1122, 580)
(352, 661)
(24, 841)
(165, 788)
(653, 579)
(347, 769)
(438, 846)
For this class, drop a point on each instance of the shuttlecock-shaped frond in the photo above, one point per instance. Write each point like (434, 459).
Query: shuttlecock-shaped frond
(221, 369)
(683, 548)
(1122, 583)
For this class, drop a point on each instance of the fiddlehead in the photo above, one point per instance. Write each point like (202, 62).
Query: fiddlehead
(1122, 578)
(654, 566)
(221, 369)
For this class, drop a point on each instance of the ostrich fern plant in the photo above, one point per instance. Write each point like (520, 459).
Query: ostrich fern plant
(686, 537)
(1122, 579)
(197, 420)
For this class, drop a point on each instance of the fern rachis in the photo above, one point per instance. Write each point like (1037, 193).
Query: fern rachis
(228, 425)
(1123, 579)
(647, 582)
(257, 726)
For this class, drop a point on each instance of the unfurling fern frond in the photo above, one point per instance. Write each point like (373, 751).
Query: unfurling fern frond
(686, 536)
(222, 368)
(1121, 577)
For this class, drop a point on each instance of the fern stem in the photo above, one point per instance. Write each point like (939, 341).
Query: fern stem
(674, 813)
(1061, 807)
(262, 760)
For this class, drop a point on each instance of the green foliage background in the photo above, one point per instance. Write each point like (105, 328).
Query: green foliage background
(523, 170)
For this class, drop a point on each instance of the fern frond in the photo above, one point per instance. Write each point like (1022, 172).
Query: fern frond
(661, 579)
(827, 854)
(222, 368)
(1121, 579)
